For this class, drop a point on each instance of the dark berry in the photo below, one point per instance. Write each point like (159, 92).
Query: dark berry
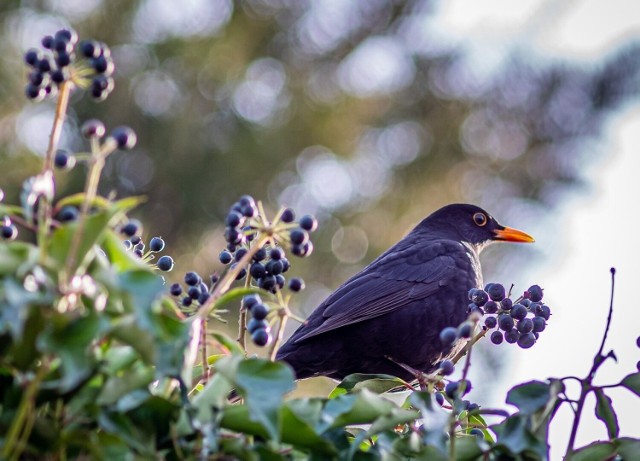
(255, 324)
(59, 75)
(465, 330)
(479, 297)
(192, 279)
(234, 219)
(102, 65)
(276, 253)
(64, 159)
(496, 291)
(125, 137)
(302, 250)
(247, 200)
(261, 337)
(251, 300)
(35, 92)
(90, 49)
(32, 57)
(44, 65)
(511, 336)
(518, 311)
(165, 263)
(214, 278)
(638, 341)
(490, 322)
(491, 307)
(156, 244)
(204, 296)
(505, 322)
(274, 267)
(526, 302)
(296, 284)
(37, 78)
(127, 244)
(68, 213)
(497, 337)
(138, 253)
(175, 289)
(298, 236)
(446, 367)
(308, 223)
(186, 301)
(526, 340)
(539, 324)
(477, 432)
(136, 239)
(545, 312)
(259, 311)
(63, 59)
(287, 215)
(525, 325)
(225, 257)
(9, 232)
(506, 304)
(451, 389)
(248, 211)
(93, 127)
(535, 293)
(448, 336)
(66, 35)
(280, 281)
(474, 309)
(140, 246)
(241, 273)
(260, 254)
(285, 265)
(239, 254)
(268, 282)
(131, 228)
(257, 270)
(439, 398)
(47, 42)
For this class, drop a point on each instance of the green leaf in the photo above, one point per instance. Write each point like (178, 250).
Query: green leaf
(61, 240)
(529, 397)
(17, 258)
(212, 398)
(122, 384)
(229, 344)
(467, 448)
(606, 413)
(375, 383)
(262, 384)
(233, 295)
(362, 407)
(628, 448)
(514, 434)
(121, 259)
(394, 418)
(595, 451)
(632, 382)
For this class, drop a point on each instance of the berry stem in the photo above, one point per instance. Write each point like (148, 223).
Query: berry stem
(242, 321)
(58, 122)
(223, 285)
(586, 385)
(282, 313)
(206, 371)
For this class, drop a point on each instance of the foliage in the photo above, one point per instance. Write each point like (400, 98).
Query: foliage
(98, 361)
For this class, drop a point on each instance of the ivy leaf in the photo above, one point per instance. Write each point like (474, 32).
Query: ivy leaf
(375, 383)
(529, 397)
(628, 448)
(514, 435)
(632, 382)
(262, 384)
(606, 413)
(596, 450)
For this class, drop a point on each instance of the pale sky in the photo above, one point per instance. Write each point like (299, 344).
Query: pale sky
(596, 228)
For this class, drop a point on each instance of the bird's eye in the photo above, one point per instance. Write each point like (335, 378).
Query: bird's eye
(480, 219)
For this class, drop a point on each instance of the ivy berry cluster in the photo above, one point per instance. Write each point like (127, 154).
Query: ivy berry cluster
(88, 64)
(134, 243)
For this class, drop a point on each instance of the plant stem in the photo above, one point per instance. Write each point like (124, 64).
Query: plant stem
(203, 344)
(279, 335)
(242, 321)
(20, 426)
(586, 386)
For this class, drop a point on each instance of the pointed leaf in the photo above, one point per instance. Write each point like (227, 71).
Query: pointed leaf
(235, 294)
(375, 383)
(529, 397)
(595, 451)
(632, 382)
(514, 434)
(628, 448)
(606, 413)
(262, 384)
(228, 343)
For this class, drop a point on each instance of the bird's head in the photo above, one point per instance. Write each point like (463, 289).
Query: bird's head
(470, 224)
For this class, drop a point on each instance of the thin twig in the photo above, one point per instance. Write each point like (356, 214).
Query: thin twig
(203, 344)
(586, 386)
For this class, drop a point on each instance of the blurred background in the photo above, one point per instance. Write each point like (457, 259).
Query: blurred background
(370, 114)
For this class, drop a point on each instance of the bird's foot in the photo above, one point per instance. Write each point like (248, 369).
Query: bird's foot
(422, 377)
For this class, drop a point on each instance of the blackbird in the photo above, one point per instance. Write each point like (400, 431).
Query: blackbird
(387, 318)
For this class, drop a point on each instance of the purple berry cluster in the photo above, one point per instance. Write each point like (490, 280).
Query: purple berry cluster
(258, 326)
(519, 322)
(136, 245)
(88, 64)
(195, 293)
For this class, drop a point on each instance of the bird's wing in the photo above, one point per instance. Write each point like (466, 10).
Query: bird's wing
(389, 284)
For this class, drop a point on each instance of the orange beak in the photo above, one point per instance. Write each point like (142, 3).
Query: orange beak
(509, 234)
